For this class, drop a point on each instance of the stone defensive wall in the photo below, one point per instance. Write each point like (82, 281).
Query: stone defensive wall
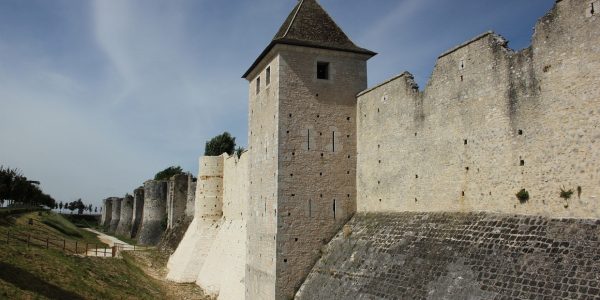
(213, 250)
(116, 214)
(125, 220)
(176, 198)
(191, 196)
(155, 212)
(490, 123)
(138, 211)
(426, 255)
(106, 212)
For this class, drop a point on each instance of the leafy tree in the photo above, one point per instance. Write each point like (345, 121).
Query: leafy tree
(60, 206)
(220, 144)
(16, 187)
(168, 173)
(96, 209)
(71, 206)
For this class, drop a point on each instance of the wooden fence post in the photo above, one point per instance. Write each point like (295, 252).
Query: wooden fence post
(47, 244)
(86, 249)
(75, 247)
(96, 250)
(64, 245)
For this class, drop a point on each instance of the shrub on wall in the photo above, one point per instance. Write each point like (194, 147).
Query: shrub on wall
(566, 194)
(220, 144)
(167, 173)
(523, 196)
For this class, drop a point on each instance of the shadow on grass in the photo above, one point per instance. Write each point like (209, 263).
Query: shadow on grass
(27, 281)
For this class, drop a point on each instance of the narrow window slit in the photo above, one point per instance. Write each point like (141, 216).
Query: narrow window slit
(333, 208)
(333, 141)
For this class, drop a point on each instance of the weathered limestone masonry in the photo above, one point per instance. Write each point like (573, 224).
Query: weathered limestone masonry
(191, 196)
(425, 255)
(124, 227)
(223, 272)
(186, 262)
(177, 207)
(176, 198)
(303, 148)
(138, 210)
(213, 250)
(106, 212)
(491, 122)
(155, 214)
(116, 214)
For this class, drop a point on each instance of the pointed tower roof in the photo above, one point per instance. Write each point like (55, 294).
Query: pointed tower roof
(309, 25)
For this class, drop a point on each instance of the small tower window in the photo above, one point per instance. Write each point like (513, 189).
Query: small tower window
(257, 85)
(268, 76)
(322, 70)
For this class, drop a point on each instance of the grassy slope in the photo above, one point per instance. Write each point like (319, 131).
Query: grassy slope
(37, 273)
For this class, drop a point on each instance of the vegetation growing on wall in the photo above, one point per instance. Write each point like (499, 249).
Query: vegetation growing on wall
(220, 144)
(523, 196)
(168, 173)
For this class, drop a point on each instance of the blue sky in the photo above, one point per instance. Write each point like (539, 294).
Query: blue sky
(97, 96)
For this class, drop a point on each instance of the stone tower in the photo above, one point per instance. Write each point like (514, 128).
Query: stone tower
(302, 136)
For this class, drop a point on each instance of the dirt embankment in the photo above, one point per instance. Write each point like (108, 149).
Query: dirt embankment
(154, 263)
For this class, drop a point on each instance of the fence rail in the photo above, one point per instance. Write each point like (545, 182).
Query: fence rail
(73, 247)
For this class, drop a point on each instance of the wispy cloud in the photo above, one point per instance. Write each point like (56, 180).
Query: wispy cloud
(96, 96)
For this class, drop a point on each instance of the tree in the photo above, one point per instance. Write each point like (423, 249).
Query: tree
(60, 206)
(220, 144)
(71, 206)
(79, 206)
(168, 173)
(90, 208)
(96, 209)
(16, 187)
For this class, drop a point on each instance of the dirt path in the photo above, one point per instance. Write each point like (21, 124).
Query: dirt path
(154, 263)
(107, 239)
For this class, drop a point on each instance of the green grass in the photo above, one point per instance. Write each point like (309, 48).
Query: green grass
(83, 221)
(37, 273)
(125, 239)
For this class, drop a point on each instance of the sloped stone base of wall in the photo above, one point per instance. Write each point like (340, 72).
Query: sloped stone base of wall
(458, 256)
(172, 237)
(186, 262)
(223, 271)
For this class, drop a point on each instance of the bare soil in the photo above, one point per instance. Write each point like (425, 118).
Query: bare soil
(154, 264)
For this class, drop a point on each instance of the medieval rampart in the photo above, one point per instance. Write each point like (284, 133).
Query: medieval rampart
(106, 212)
(138, 211)
(116, 214)
(490, 123)
(213, 250)
(155, 214)
(124, 227)
(176, 198)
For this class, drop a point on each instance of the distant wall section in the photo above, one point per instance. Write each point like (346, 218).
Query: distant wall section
(155, 213)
